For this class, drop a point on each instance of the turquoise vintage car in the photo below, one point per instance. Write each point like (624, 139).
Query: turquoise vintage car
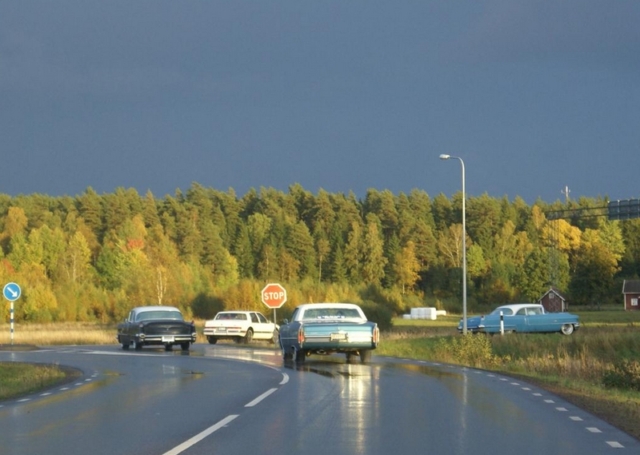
(327, 328)
(522, 318)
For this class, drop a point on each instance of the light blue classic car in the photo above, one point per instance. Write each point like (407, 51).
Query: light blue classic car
(522, 318)
(327, 328)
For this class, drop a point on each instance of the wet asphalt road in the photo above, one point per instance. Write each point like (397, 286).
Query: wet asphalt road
(228, 399)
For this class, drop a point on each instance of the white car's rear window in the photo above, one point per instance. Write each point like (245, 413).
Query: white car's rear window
(231, 317)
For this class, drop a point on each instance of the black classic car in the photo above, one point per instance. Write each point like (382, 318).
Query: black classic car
(156, 325)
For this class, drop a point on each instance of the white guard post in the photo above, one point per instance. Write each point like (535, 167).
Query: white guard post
(501, 323)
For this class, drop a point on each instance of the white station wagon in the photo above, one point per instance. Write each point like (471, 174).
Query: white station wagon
(240, 326)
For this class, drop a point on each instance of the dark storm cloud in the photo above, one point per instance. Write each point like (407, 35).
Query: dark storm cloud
(337, 95)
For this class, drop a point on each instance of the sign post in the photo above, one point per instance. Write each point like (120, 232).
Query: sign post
(274, 296)
(11, 292)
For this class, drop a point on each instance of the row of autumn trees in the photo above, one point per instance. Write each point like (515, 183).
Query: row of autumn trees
(93, 257)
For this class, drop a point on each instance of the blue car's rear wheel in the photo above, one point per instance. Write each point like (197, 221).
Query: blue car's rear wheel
(365, 356)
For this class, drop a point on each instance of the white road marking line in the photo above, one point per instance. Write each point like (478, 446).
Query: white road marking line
(561, 409)
(514, 383)
(45, 394)
(549, 401)
(594, 430)
(200, 436)
(537, 394)
(615, 444)
(285, 379)
(576, 418)
(24, 399)
(260, 398)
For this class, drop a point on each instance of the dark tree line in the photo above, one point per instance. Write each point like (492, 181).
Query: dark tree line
(92, 257)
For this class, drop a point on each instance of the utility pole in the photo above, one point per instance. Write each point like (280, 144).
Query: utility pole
(566, 192)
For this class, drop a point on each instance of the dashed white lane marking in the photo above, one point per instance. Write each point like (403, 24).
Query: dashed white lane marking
(260, 398)
(612, 444)
(200, 436)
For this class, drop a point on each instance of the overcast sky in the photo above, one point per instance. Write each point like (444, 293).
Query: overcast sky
(533, 95)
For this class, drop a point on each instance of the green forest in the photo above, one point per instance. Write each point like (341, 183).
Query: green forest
(93, 257)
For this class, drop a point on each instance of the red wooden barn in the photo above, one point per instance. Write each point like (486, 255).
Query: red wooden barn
(631, 292)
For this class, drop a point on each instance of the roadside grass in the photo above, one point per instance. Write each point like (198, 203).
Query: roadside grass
(18, 379)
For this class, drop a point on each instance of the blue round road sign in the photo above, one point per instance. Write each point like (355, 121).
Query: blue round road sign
(11, 291)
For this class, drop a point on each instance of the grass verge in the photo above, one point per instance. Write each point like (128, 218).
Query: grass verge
(18, 379)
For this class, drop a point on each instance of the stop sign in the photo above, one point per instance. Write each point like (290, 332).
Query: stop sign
(274, 295)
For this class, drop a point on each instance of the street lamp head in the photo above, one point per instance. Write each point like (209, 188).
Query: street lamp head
(445, 157)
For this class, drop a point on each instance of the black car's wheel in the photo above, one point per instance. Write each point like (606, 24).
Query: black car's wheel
(137, 345)
(566, 329)
(286, 354)
(125, 346)
(248, 337)
(185, 346)
(351, 357)
(299, 355)
(212, 340)
(365, 356)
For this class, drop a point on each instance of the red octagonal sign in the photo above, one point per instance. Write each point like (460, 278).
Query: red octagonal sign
(274, 295)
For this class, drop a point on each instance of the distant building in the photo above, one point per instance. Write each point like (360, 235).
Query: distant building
(631, 292)
(554, 302)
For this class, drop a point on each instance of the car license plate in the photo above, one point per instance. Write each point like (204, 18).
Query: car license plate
(338, 336)
(222, 329)
(168, 339)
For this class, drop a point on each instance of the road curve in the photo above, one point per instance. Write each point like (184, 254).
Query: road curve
(230, 400)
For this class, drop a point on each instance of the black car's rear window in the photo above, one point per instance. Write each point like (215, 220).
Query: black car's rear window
(159, 314)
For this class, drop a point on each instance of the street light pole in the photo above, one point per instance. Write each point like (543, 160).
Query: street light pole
(464, 246)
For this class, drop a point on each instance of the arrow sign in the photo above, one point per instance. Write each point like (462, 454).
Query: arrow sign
(11, 292)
